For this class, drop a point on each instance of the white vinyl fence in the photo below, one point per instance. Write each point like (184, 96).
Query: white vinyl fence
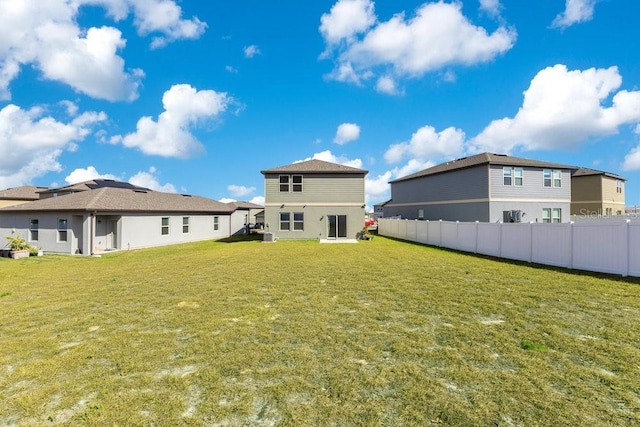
(607, 247)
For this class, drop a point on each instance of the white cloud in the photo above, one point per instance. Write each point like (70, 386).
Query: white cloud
(258, 200)
(153, 16)
(377, 187)
(387, 84)
(426, 143)
(86, 174)
(231, 69)
(346, 18)
(151, 181)
(437, 36)
(31, 144)
(240, 190)
(491, 7)
(576, 11)
(562, 109)
(170, 135)
(70, 107)
(47, 36)
(347, 132)
(251, 51)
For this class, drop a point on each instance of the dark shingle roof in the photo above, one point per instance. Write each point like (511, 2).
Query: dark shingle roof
(590, 172)
(481, 159)
(315, 166)
(124, 200)
(94, 184)
(27, 192)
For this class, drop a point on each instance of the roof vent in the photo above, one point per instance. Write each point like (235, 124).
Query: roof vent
(186, 195)
(139, 191)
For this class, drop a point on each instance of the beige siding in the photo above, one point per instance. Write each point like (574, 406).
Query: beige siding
(318, 188)
(596, 194)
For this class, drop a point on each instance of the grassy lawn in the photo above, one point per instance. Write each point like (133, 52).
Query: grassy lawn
(297, 333)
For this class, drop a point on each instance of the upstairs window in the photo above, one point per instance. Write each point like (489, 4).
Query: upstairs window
(618, 186)
(518, 177)
(506, 176)
(284, 183)
(297, 183)
(552, 178)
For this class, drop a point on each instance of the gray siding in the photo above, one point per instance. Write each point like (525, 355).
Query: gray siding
(532, 210)
(532, 186)
(471, 211)
(462, 184)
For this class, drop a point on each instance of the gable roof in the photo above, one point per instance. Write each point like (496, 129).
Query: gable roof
(483, 159)
(591, 172)
(26, 192)
(93, 184)
(315, 166)
(244, 205)
(109, 199)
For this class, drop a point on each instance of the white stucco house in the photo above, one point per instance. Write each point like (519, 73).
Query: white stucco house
(102, 215)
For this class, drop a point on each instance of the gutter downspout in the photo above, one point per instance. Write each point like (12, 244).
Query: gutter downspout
(91, 227)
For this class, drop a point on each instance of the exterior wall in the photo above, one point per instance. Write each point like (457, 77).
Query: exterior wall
(532, 210)
(459, 195)
(47, 230)
(531, 197)
(143, 231)
(595, 195)
(131, 231)
(532, 188)
(322, 195)
(239, 220)
(315, 221)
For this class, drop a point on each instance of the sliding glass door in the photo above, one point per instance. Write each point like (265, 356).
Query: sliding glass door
(337, 226)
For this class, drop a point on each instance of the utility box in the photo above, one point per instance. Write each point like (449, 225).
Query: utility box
(268, 237)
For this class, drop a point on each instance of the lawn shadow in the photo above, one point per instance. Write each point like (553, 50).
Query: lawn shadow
(595, 274)
(242, 238)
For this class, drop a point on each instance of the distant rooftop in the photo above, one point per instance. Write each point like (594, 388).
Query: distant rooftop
(27, 192)
(93, 184)
(481, 159)
(315, 166)
(592, 172)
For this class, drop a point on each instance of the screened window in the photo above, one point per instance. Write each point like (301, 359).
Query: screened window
(557, 178)
(285, 221)
(552, 178)
(284, 183)
(556, 215)
(33, 230)
(518, 177)
(618, 186)
(297, 183)
(298, 221)
(216, 223)
(506, 176)
(62, 229)
(185, 224)
(165, 226)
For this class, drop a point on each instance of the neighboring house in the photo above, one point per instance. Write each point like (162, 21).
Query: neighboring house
(378, 210)
(115, 217)
(597, 193)
(314, 199)
(19, 195)
(485, 187)
(243, 213)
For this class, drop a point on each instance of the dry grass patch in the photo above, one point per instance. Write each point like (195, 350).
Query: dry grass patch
(297, 333)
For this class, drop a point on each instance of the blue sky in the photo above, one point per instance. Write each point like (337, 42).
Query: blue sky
(199, 96)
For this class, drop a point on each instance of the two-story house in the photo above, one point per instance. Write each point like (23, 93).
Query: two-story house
(597, 193)
(314, 199)
(485, 187)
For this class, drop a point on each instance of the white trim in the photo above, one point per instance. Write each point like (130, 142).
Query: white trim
(482, 200)
(599, 202)
(297, 204)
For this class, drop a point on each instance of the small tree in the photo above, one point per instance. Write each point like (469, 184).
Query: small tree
(17, 243)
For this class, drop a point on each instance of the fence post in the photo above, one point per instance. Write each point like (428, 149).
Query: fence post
(457, 235)
(571, 230)
(627, 247)
(476, 249)
(427, 237)
(530, 241)
(440, 237)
